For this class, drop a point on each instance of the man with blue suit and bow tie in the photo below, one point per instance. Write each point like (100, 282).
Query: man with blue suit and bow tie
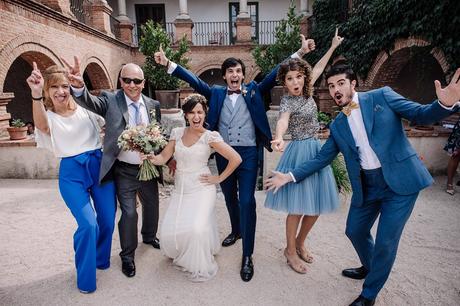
(238, 112)
(384, 170)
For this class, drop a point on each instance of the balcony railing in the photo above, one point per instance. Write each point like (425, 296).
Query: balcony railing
(218, 33)
(169, 27)
(81, 10)
(211, 33)
(115, 27)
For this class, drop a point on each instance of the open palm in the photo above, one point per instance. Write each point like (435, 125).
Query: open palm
(450, 94)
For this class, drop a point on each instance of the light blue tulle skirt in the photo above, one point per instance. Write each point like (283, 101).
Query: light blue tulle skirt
(315, 195)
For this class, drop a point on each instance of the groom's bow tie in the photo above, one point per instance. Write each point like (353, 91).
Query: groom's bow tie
(351, 106)
(230, 92)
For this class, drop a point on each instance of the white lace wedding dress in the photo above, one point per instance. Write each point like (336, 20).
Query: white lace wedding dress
(188, 232)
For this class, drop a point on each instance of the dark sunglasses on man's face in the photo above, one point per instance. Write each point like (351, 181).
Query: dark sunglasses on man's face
(129, 80)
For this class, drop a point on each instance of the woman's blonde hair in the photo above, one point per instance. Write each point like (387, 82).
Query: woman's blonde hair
(296, 64)
(53, 75)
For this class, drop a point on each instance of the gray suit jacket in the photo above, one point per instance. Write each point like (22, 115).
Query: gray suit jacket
(113, 107)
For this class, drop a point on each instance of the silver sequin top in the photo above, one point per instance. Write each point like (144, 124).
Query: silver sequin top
(303, 120)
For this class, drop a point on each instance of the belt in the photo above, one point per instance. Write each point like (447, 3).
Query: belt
(123, 164)
(371, 171)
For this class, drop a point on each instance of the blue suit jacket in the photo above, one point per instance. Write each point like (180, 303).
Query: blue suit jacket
(382, 110)
(253, 98)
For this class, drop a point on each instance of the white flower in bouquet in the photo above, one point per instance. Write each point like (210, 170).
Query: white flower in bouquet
(144, 139)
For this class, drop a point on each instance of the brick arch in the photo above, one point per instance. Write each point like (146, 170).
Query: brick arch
(97, 72)
(391, 62)
(30, 49)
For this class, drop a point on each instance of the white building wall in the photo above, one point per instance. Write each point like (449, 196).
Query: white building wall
(209, 10)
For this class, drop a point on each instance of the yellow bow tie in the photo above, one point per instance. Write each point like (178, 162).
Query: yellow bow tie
(351, 106)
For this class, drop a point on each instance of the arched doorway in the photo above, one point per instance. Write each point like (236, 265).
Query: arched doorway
(411, 72)
(21, 105)
(96, 78)
(212, 76)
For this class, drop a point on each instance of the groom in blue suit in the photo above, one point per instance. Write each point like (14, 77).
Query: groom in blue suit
(237, 111)
(385, 172)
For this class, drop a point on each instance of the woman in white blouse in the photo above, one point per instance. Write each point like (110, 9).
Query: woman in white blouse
(72, 133)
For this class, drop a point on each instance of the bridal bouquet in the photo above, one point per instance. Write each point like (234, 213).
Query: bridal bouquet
(144, 139)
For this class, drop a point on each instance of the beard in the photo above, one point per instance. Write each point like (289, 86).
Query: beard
(343, 99)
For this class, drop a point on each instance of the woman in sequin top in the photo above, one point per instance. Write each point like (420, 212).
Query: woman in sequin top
(303, 202)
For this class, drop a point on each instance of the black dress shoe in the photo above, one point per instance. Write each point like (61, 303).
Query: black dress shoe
(155, 243)
(362, 301)
(128, 268)
(355, 273)
(230, 239)
(247, 269)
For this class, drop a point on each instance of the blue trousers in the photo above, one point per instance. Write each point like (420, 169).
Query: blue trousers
(394, 210)
(78, 181)
(238, 190)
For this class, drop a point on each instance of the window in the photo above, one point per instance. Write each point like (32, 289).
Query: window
(145, 12)
(253, 11)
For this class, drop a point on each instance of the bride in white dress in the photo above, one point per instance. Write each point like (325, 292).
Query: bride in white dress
(188, 232)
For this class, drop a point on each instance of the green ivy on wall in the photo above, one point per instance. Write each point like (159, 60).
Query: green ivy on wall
(374, 25)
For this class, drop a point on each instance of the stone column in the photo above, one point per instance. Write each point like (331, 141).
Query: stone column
(304, 7)
(5, 98)
(126, 32)
(243, 24)
(100, 13)
(183, 23)
(122, 11)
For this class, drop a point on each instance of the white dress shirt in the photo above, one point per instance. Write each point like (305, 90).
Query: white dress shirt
(132, 157)
(368, 158)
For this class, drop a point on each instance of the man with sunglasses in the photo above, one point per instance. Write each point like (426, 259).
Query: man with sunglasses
(124, 107)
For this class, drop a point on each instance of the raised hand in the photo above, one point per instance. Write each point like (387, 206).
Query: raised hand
(160, 57)
(73, 73)
(308, 45)
(450, 94)
(35, 81)
(278, 145)
(336, 40)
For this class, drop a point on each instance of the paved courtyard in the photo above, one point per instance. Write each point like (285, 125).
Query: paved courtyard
(37, 263)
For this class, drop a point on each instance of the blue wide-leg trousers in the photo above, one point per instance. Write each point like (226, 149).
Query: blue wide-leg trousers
(78, 182)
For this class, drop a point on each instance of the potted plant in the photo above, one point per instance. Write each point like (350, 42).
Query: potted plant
(17, 129)
(287, 41)
(166, 87)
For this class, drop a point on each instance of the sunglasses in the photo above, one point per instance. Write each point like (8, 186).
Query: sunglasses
(129, 80)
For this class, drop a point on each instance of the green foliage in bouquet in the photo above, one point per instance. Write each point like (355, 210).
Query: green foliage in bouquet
(341, 175)
(154, 36)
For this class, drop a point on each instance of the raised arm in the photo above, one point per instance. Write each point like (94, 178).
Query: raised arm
(234, 159)
(185, 75)
(36, 82)
(321, 64)
(307, 45)
(80, 93)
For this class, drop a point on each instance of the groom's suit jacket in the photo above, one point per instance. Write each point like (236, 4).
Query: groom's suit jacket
(382, 110)
(113, 107)
(252, 94)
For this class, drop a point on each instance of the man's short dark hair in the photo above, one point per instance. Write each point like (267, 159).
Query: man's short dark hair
(341, 69)
(232, 62)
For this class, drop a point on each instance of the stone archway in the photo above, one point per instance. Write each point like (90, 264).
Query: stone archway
(410, 68)
(96, 75)
(15, 81)
(30, 48)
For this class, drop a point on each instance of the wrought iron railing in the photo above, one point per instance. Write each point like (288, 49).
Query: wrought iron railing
(81, 9)
(168, 26)
(115, 27)
(211, 33)
(217, 33)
